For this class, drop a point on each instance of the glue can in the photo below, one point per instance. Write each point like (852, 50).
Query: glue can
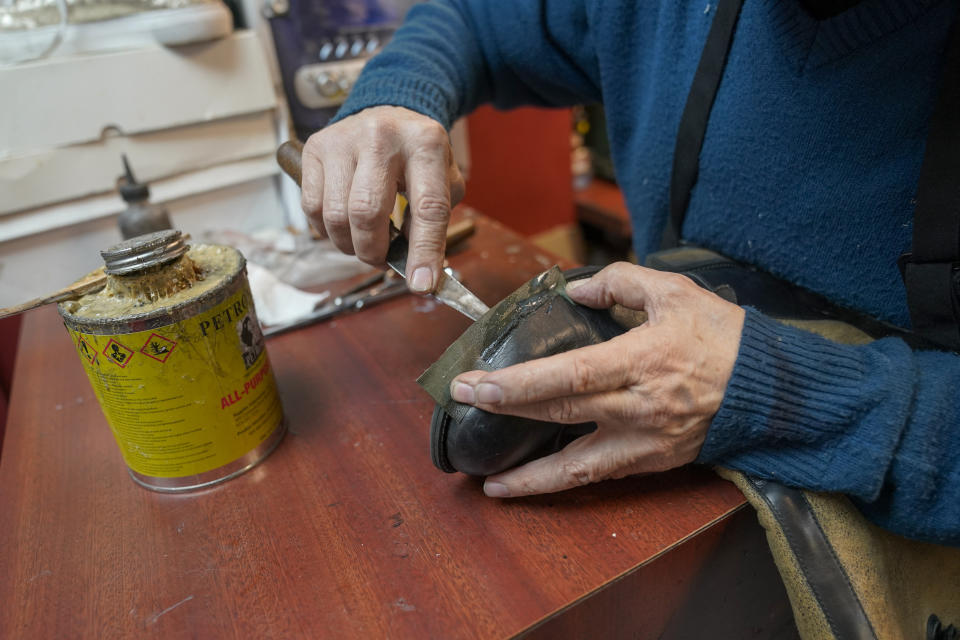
(176, 358)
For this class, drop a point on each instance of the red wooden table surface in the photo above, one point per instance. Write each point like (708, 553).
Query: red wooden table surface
(347, 530)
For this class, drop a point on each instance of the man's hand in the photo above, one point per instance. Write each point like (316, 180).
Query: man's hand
(652, 391)
(352, 171)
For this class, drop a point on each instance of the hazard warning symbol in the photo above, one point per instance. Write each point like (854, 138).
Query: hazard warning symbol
(117, 353)
(86, 350)
(158, 347)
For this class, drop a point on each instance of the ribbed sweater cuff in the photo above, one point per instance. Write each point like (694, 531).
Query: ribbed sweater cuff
(787, 385)
(380, 88)
(812, 413)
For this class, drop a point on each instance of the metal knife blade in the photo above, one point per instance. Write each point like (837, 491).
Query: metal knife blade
(449, 290)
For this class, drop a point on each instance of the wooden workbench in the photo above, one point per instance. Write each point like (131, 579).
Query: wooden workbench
(347, 530)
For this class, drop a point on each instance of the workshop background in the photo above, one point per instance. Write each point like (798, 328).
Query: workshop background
(198, 96)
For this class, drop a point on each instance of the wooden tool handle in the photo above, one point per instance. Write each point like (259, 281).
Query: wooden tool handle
(90, 282)
(460, 231)
(289, 158)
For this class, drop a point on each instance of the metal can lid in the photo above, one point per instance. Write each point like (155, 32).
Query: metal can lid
(139, 253)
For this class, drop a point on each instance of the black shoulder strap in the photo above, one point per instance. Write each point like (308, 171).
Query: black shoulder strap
(930, 270)
(696, 113)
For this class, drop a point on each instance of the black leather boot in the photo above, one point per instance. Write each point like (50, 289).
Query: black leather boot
(536, 321)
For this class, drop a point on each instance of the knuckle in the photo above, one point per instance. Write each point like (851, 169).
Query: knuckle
(584, 376)
(620, 269)
(433, 146)
(380, 140)
(577, 471)
(367, 222)
(311, 203)
(528, 486)
(614, 277)
(364, 210)
(335, 214)
(428, 246)
(317, 148)
(433, 208)
(314, 144)
(629, 410)
(377, 128)
(362, 201)
(335, 221)
(432, 135)
(659, 417)
(675, 283)
(562, 410)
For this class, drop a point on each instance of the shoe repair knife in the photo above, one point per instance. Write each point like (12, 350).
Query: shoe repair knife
(449, 290)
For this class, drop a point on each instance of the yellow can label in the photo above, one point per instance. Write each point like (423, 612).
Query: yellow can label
(189, 397)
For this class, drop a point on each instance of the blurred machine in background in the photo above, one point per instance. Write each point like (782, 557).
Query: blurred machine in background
(321, 47)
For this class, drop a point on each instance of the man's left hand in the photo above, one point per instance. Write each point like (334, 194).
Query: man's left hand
(652, 391)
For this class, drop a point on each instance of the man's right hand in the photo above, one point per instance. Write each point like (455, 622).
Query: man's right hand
(352, 171)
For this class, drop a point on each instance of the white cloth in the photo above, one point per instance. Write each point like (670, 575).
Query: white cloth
(278, 302)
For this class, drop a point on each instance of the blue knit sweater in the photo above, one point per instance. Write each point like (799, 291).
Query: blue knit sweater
(808, 170)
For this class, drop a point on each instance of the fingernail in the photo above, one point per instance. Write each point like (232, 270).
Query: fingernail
(576, 284)
(489, 393)
(462, 392)
(422, 279)
(496, 490)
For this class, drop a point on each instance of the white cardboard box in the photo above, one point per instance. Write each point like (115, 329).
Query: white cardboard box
(64, 122)
(64, 101)
(81, 170)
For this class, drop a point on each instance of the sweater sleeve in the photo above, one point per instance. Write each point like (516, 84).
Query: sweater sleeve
(878, 422)
(452, 55)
